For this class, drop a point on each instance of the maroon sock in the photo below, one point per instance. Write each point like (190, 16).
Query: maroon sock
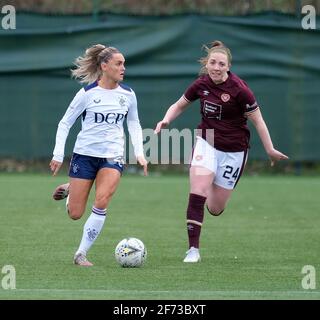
(195, 213)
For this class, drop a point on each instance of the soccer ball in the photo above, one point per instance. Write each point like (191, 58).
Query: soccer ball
(130, 253)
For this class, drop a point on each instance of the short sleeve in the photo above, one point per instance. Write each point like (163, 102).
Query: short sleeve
(247, 100)
(191, 94)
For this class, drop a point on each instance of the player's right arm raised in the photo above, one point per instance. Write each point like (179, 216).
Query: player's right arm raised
(172, 113)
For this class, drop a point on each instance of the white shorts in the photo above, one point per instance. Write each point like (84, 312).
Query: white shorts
(226, 166)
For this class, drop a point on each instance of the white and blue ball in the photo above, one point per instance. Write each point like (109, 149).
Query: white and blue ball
(130, 253)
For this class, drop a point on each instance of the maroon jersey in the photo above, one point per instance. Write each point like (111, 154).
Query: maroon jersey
(223, 108)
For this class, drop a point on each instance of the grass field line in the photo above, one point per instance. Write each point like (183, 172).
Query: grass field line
(218, 292)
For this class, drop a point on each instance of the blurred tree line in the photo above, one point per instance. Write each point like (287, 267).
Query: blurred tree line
(161, 7)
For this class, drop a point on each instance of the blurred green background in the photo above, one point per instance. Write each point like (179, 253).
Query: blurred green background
(162, 42)
(258, 247)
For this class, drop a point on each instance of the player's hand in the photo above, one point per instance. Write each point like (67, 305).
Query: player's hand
(276, 155)
(144, 163)
(160, 125)
(55, 166)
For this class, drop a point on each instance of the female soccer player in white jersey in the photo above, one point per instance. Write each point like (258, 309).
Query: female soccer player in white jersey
(98, 153)
(220, 152)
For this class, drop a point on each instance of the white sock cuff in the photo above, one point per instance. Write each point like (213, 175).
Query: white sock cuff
(99, 212)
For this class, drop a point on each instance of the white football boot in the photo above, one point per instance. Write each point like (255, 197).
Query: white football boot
(192, 256)
(81, 260)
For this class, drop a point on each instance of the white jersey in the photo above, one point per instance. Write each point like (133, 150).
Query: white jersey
(103, 112)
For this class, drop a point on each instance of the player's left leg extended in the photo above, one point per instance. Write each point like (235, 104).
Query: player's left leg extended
(200, 181)
(107, 181)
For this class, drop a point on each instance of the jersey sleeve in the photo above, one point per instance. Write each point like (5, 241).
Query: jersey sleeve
(134, 127)
(247, 100)
(75, 109)
(191, 94)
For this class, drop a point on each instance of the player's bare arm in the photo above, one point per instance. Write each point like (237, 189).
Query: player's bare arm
(172, 113)
(256, 118)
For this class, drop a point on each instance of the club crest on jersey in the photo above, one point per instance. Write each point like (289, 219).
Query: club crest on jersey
(225, 97)
(205, 92)
(122, 101)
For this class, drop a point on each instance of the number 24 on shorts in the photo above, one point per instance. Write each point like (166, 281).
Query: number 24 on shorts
(230, 173)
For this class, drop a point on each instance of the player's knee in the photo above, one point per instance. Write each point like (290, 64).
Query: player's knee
(214, 211)
(75, 213)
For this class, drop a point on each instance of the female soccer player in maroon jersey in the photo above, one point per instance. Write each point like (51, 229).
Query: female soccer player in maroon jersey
(220, 152)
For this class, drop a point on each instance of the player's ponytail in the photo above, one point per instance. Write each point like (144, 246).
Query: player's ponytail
(215, 46)
(217, 43)
(88, 67)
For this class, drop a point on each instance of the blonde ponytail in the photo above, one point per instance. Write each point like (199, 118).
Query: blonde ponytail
(88, 67)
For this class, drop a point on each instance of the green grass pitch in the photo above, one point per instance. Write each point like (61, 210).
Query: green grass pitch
(255, 250)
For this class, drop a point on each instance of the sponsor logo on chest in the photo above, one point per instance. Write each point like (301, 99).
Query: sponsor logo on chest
(117, 104)
(212, 110)
(110, 118)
